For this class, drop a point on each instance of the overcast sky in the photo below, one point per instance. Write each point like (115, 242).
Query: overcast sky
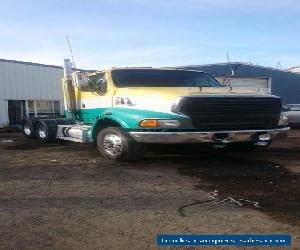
(107, 33)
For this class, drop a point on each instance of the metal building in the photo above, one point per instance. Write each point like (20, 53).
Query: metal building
(284, 83)
(294, 69)
(29, 89)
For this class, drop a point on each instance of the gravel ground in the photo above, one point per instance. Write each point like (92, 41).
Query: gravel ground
(66, 196)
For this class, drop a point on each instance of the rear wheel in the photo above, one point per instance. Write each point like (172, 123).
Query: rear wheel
(116, 145)
(46, 132)
(28, 128)
(41, 131)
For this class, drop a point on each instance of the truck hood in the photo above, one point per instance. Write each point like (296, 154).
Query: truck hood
(161, 99)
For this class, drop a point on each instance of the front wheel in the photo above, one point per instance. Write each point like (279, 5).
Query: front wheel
(114, 144)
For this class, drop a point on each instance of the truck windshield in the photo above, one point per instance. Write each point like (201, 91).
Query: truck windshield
(162, 78)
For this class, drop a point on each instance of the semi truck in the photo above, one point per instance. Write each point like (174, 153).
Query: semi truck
(122, 110)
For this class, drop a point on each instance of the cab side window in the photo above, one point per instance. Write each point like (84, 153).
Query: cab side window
(98, 83)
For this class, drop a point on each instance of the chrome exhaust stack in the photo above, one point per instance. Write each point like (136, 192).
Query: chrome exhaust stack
(69, 92)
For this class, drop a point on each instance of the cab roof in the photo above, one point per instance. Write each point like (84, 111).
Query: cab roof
(139, 68)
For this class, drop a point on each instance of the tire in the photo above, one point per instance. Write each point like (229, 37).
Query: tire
(116, 145)
(45, 131)
(28, 130)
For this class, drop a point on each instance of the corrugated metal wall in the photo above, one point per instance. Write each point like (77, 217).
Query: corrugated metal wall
(28, 81)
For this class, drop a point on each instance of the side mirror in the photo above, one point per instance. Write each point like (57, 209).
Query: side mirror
(80, 80)
(102, 85)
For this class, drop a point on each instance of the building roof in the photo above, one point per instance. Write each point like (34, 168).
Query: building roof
(235, 63)
(31, 63)
(295, 69)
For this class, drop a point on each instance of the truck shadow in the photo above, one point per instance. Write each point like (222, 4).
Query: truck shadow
(241, 176)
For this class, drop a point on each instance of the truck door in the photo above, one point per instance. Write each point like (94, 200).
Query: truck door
(93, 102)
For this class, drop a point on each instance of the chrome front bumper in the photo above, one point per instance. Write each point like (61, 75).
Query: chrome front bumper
(221, 137)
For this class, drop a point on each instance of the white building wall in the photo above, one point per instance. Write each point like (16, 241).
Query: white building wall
(21, 81)
(28, 81)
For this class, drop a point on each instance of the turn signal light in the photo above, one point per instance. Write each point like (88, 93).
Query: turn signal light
(150, 123)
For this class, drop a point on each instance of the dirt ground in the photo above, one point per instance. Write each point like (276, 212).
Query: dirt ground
(66, 196)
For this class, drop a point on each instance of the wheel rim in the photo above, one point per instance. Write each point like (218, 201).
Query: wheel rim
(42, 131)
(112, 144)
(27, 129)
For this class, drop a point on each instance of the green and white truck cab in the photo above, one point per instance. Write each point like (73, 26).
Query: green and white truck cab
(123, 109)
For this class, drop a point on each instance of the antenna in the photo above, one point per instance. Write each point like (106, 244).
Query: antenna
(70, 47)
(230, 66)
(227, 79)
(278, 65)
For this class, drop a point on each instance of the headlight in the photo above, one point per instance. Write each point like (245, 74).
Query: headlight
(126, 101)
(159, 123)
(284, 119)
